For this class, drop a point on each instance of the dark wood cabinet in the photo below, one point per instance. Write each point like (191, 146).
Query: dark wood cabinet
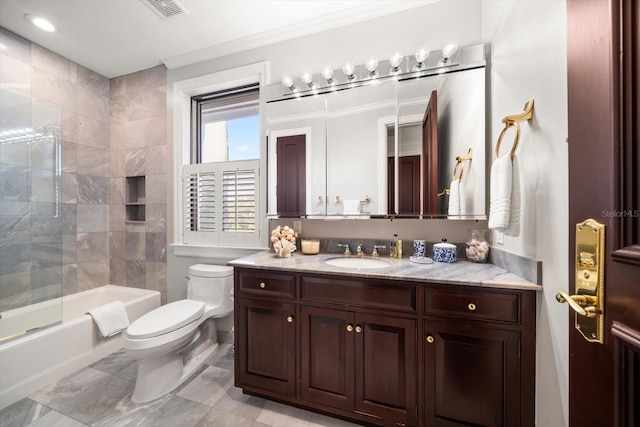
(472, 375)
(359, 362)
(387, 352)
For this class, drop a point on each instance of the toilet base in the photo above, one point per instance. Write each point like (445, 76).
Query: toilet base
(161, 375)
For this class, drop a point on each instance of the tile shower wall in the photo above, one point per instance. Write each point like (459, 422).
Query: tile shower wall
(139, 148)
(109, 130)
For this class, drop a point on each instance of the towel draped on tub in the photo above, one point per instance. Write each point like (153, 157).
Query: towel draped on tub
(111, 318)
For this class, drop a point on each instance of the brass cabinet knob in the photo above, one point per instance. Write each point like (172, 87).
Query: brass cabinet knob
(290, 319)
(263, 285)
(358, 329)
(430, 339)
(471, 306)
(349, 327)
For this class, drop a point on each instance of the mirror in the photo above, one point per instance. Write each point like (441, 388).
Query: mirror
(394, 146)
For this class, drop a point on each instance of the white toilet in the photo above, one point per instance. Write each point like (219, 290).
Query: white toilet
(172, 341)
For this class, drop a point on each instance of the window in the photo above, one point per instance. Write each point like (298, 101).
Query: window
(221, 196)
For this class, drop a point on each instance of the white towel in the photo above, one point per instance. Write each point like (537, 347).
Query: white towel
(516, 191)
(111, 318)
(454, 198)
(500, 187)
(351, 207)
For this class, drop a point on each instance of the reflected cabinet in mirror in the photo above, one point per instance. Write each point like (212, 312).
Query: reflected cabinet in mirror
(405, 145)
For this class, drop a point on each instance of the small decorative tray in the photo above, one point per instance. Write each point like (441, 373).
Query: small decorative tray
(421, 259)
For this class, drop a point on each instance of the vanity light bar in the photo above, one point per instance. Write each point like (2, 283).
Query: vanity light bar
(422, 63)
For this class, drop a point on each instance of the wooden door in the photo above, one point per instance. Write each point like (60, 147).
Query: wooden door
(266, 346)
(291, 191)
(385, 367)
(327, 357)
(430, 156)
(472, 376)
(604, 162)
(408, 185)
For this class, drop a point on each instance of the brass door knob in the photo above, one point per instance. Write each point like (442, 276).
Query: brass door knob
(290, 319)
(584, 305)
(262, 285)
(358, 329)
(471, 306)
(350, 327)
(430, 339)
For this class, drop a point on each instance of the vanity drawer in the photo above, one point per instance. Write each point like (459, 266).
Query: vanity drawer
(361, 293)
(498, 306)
(267, 283)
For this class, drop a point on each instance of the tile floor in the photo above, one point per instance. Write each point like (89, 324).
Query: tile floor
(99, 395)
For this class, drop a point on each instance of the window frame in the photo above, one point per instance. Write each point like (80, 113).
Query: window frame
(182, 92)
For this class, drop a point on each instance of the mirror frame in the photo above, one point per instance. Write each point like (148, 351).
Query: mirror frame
(466, 58)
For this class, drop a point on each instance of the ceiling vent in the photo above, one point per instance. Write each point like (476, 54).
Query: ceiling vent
(165, 9)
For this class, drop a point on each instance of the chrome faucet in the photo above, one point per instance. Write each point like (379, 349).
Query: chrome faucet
(375, 249)
(360, 250)
(346, 248)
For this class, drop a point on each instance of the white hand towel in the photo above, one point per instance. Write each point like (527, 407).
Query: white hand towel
(351, 207)
(454, 198)
(111, 318)
(500, 187)
(516, 191)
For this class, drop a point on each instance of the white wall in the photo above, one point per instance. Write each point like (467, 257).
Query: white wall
(528, 60)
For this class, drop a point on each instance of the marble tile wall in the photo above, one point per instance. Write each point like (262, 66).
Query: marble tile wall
(138, 138)
(109, 129)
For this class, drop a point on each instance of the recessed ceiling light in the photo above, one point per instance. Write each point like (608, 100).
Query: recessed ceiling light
(40, 22)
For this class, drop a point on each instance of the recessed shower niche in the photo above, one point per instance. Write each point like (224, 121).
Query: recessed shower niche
(135, 199)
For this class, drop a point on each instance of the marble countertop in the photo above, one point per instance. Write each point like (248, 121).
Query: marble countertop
(460, 273)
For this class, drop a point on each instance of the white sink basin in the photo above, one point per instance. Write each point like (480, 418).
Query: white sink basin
(358, 263)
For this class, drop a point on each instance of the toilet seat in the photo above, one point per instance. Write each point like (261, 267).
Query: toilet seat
(165, 319)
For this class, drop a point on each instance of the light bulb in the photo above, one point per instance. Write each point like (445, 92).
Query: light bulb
(371, 65)
(395, 60)
(449, 50)
(422, 53)
(327, 73)
(307, 77)
(348, 69)
(287, 81)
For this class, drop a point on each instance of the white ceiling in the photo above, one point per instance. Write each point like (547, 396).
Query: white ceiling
(118, 37)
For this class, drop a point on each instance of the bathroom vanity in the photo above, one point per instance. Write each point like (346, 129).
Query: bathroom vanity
(407, 344)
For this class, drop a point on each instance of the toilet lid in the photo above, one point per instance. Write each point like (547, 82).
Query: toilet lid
(209, 270)
(166, 318)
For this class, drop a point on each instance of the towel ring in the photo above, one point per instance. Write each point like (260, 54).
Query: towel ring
(516, 140)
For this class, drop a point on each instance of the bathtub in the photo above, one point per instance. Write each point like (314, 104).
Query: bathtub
(41, 357)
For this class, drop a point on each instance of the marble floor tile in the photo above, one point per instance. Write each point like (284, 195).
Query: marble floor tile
(55, 419)
(85, 394)
(22, 413)
(216, 418)
(100, 396)
(177, 412)
(208, 387)
(235, 402)
(126, 413)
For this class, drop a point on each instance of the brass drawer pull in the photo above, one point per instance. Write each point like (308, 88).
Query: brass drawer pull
(358, 329)
(263, 285)
(349, 327)
(290, 319)
(430, 339)
(471, 306)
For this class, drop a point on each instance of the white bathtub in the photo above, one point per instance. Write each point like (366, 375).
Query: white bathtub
(41, 357)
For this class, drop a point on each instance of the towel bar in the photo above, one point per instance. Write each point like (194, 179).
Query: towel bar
(512, 121)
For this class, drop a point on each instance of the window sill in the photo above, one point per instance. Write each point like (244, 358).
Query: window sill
(220, 252)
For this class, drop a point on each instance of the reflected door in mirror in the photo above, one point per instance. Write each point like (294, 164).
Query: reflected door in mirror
(408, 185)
(430, 155)
(291, 190)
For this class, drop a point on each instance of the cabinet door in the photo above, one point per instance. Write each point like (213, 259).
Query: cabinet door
(265, 345)
(385, 367)
(472, 376)
(327, 356)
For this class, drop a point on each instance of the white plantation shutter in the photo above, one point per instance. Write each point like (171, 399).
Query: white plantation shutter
(221, 203)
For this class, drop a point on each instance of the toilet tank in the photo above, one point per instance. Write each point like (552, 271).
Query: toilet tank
(213, 285)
